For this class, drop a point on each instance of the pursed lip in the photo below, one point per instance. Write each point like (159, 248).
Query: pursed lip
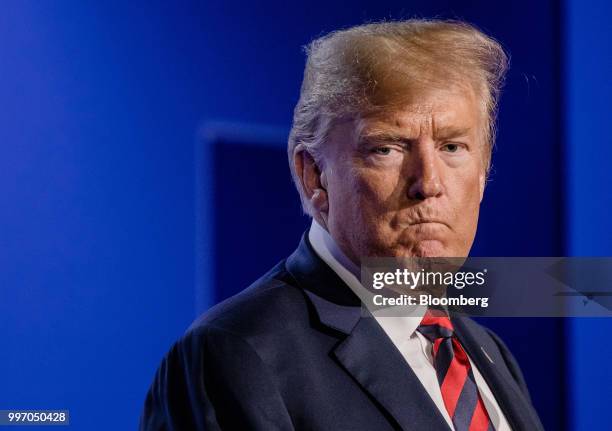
(428, 221)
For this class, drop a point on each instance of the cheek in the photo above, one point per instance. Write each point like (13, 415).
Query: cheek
(465, 181)
(465, 195)
(375, 188)
(361, 201)
(469, 190)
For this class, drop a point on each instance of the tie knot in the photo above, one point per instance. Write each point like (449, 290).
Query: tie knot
(436, 324)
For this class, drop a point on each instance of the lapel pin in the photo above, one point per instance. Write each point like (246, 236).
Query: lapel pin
(486, 354)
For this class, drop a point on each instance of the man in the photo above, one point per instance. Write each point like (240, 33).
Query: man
(389, 149)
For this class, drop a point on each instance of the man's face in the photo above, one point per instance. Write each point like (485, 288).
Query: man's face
(410, 182)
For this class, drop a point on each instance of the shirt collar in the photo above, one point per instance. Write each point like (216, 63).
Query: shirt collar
(398, 322)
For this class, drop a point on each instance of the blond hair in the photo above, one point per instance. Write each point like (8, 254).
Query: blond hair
(352, 72)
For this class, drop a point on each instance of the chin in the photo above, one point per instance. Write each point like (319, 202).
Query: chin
(430, 248)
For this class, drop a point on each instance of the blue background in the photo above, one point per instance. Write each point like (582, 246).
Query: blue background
(143, 160)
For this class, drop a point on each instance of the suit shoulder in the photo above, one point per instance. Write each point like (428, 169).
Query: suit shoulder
(273, 298)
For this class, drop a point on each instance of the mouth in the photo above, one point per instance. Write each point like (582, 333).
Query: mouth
(426, 222)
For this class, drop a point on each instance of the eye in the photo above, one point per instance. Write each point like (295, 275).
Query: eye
(383, 151)
(451, 147)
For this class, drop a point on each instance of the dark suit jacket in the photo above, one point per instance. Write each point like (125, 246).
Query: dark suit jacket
(293, 351)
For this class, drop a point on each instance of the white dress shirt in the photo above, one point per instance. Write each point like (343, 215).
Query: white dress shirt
(401, 330)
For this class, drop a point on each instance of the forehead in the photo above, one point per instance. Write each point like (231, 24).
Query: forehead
(431, 110)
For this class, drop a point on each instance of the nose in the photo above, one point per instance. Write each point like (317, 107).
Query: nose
(423, 174)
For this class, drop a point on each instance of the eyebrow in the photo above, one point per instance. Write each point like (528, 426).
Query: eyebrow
(450, 132)
(385, 136)
(446, 132)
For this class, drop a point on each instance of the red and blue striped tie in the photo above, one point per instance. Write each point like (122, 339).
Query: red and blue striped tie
(459, 391)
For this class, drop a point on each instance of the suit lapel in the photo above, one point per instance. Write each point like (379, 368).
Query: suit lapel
(373, 361)
(508, 395)
(365, 351)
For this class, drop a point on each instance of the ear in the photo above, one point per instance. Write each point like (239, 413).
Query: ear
(313, 182)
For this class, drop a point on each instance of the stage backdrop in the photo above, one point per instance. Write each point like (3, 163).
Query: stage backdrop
(143, 178)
